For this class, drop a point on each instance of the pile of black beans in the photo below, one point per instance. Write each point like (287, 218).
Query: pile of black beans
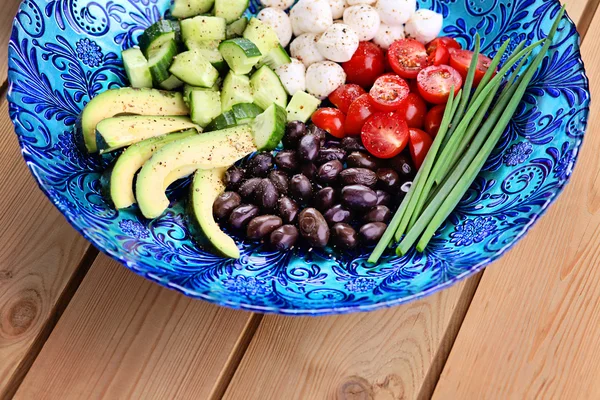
(318, 189)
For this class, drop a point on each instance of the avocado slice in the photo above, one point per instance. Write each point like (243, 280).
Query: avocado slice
(127, 101)
(208, 185)
(128, 164)
(118, 132)
(219, 149)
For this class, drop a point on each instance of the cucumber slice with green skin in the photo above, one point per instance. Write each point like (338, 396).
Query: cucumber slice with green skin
(191, 8)
(262, 35)
(230, 10)
(158, 34)
(136, 67)
(203, 28)
(205, 105)
(171, 83)
(237, 28)
(192, 68)
(241, 55)
(236, 89)
(123, 173)
(267, 88)
(302, 107)
(276, 58)
(215, 58)
(246, 112)
(203, 44)
(159, 61)
(207, 186)
(269, 128)
(118, 132)
(223, 121)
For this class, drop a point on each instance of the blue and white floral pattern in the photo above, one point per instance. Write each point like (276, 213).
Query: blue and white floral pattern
(64, 52)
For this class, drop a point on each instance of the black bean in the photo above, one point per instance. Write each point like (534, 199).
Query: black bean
(313, 227)
(284, 237)
(266, 195)
(248, 188)
(234, 177)
(330, 154)
(240, 217)
(293, 133)
(318, 132)
(309, 170)
(372, 232)
(260, 165)
(383, 198)
(225, 204)
(403, 166)
(359, 197)
(330, 171)
(378, 214)
(287, 160)
(280, 180)
(388, 179)
(262, 226)
(344, 236)
(359, 176)
(288, 210)
(308, 148)
(324, 199)
(337, 214)
(301, 188)
(363, 160)
(352, 143)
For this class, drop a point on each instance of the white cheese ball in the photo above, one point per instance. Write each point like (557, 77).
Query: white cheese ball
(364, 20)
(424, 26)
(305, 49)
(323, 78)
(388, 35)
(337, 8)
(279, 21)
(281, 4)
(296, 25)
(357, 2)
(292, 76)
(311, 16)
(338, 43)
(396, 12)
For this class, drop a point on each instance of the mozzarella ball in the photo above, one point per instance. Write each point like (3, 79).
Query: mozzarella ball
(279, 21)
(357, 2)
(396, 12)
(304, 48)
(388, 35)
(337, 8)
(292, 76)
(281, 4)
(311, 16)
(296, 24)
(424, 25)
(338, 43)
(364, 20)
(323, 78)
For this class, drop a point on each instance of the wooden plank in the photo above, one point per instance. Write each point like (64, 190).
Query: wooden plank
(532, 329)
(9, 9)
(123, 337)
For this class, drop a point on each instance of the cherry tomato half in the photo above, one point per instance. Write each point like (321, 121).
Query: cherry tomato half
(413, 109)
(407, 57)
(366, 65)
(438, 54)
(460, 60)
(345, 95)
(358, 113)
(385, 135)
(419, 144)
(414, 87)
(331, 120)
(435, 83)
(388, 92)
(446, 41)
(433, 119)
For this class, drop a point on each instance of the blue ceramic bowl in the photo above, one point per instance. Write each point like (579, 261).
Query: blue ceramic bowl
(63, 52)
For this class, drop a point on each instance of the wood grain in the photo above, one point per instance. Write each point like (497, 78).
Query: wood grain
(9, 9)
(123, 337)
(532, 329)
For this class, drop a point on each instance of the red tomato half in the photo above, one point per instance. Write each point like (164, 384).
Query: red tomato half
(358, 113)
(345, 95)
(446, 41)
(435, 83)
(385, 135)
(366, 65)
(407, 58)
(433, 119)
(419, 144)
(413, 109)
(460, 60)
(438, 55)
(331, 120)
(388, 92)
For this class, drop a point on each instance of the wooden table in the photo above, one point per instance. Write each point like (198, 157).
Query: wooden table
(76, 325)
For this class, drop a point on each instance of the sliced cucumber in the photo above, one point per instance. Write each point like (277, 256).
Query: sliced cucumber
(193, 44)
(276, 58)
(246, 112)
(236, 89)
(158, 34)
(230, 10)
(159, 61)
(171, 83)
(241, 55)
(191, 8)
(237, 28)
(223, 121)
(192, 68)
(267, 88)
(203, 28)
(212, 54)
(262, 35)
(269, 128)
(205, 105)
(136, 67)
(302, 107)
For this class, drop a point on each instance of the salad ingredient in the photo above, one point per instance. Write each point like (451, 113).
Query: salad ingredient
(358, 2)
(281, 4)
(311, 16)
(338, 214)
(294, 131)
(328, 173)
(292, 76)
(225, 204)
(396, 12)
(413, 109)
(407, 58)
(262, 35)
(230, 10)
(280, 22)
(160, 60)
(387, 179)
(302, 106)
(363, 160)
(203, 27)
(359, 197)
(323, 78)
(388, 92)
(137, 69)
(378, 214)
(345, 95)
(326, 197)
(192, 68)
(358, 176)
(285, 237)
(158, 34)
(461, 59)
(308, 148)
(236, 90)
(338, 43)
(424, 25)
(387, 34)
(372, 232)
(419, 144)
(433, 119)
(366, 65)
(267, 88)
(301, 188)
(330, 154)
(205, 106)
(331, 120)
(234, 178)
(241, 216)
(287, 160)
(436, 82)
(305, 49)
(280, 180)
(288, 210)
(263, 226)
(313, 227)
(385, 135)
(190, 8)
(236, 29)
(344, 236)
(383, 198)
(260, 165)
(337, 8)
(438, 54)
(267, 195)
(358, 114)
(448, 42)
(269, 128)
(240, 54)
(364, 20)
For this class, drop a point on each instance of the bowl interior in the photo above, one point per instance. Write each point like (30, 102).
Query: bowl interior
(64, 53)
